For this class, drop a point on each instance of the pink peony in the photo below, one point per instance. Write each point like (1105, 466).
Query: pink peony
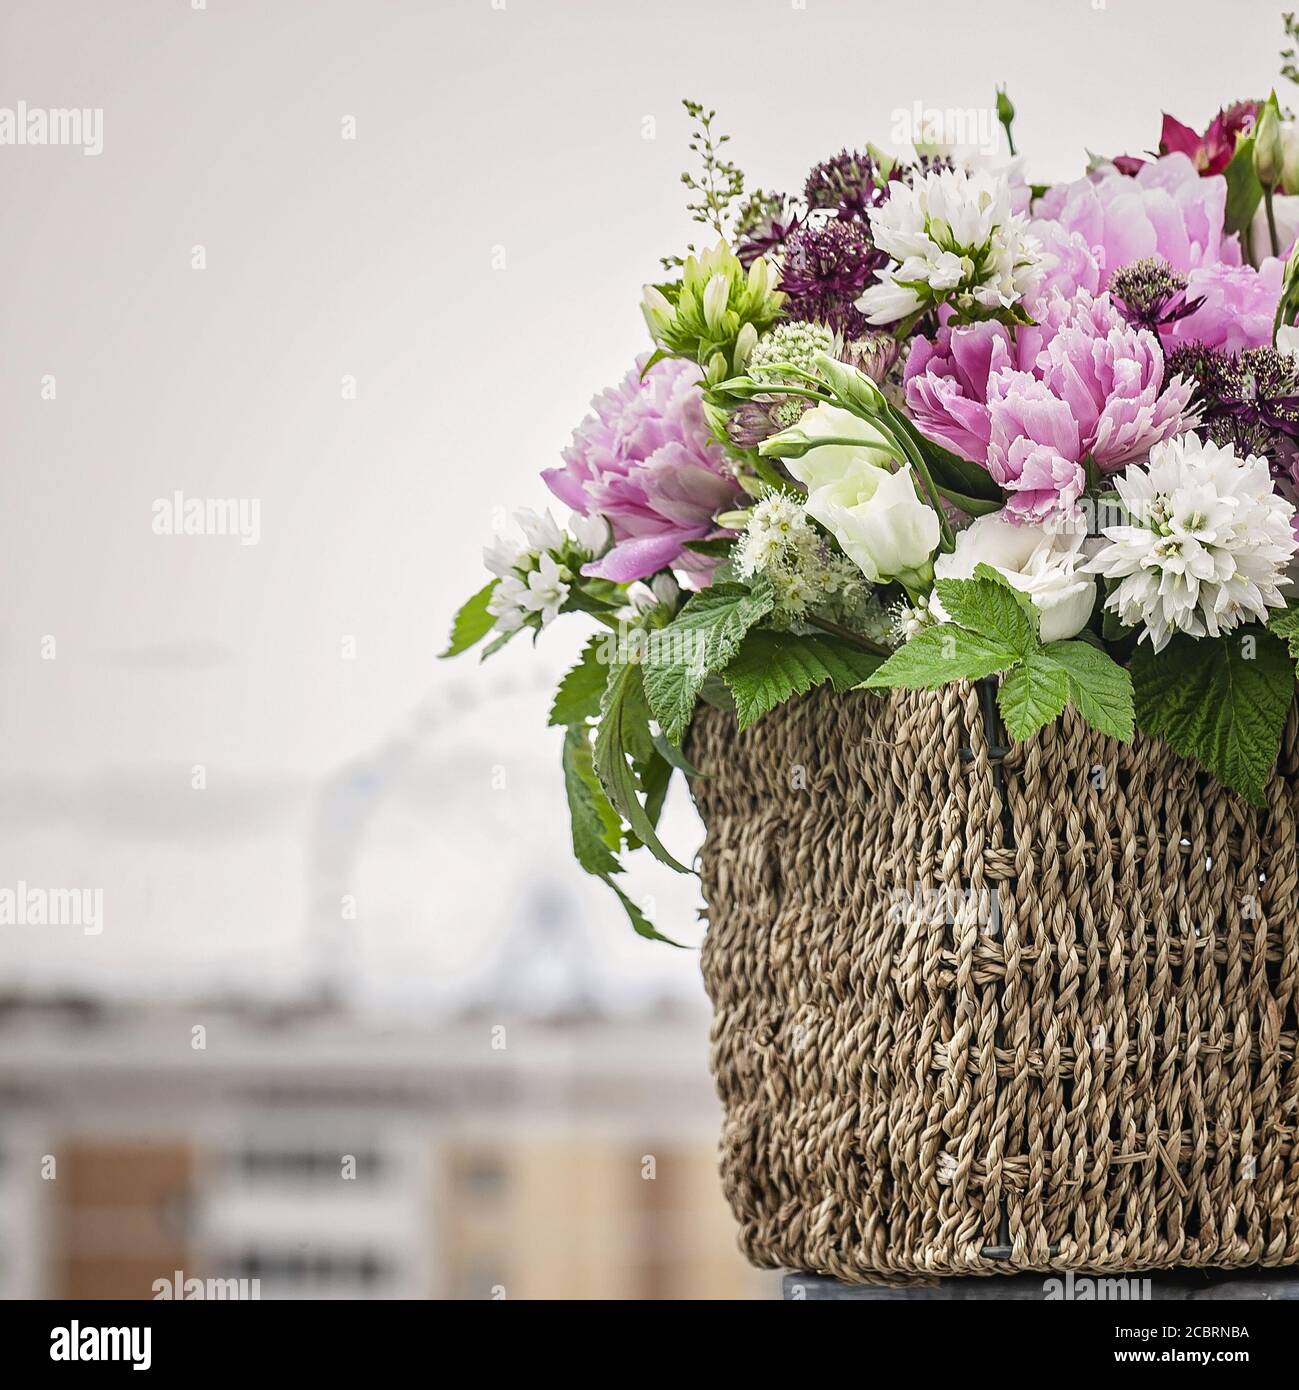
(1071, 264)
(647, 463)
(1238, 309)
(1034, 448)
(1165, 209)
(1004, 403)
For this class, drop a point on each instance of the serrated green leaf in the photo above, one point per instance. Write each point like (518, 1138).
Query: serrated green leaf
(772, 667)
(699, 641)
(988, 604)
(1099, 688)
(1285, 623)
(1220, 701)
(643, 926)
(939, 654)
(1032, 694)
(578, 696)
(472, 621)
(618, 721)
(597, 831)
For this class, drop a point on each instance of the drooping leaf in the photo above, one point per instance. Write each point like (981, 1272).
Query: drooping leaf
(772, 667)
(699, 641)
(655, 777)
(614, 736)
(1032, 694)
(578, 696)
(943, 653)
(472, 621)
(673, 755)
(1099, 688)
(643, 926)
(1220, 701)
(597, 831)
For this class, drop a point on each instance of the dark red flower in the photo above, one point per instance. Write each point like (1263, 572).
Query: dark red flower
(1212, 151)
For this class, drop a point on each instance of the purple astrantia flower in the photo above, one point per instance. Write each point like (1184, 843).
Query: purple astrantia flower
(827, 266)
(647, 463)
(1165, 209)
(845, 185)
(1004, 402)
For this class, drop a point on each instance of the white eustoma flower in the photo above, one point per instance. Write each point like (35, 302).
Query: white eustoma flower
(1207, 545)
(547, 589)
(1043, 562)
(881, 524)
(1287, 340)
(823, 462)
(954, 239)
(874, 514)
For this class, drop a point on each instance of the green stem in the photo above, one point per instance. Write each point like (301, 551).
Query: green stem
(1271, 222)
(848, 635)
(947, 538)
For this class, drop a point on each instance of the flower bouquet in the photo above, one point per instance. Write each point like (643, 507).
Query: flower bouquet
(943, 539)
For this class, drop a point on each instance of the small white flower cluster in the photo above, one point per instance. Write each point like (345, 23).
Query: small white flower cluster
(794, 344)
(906, 620)
(955, 241)
(535, 577)
(781, 545)
(1207, 546)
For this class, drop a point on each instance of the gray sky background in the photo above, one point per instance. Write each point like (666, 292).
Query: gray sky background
(482, 131)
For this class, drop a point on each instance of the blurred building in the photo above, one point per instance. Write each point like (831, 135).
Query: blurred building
(486, 1157)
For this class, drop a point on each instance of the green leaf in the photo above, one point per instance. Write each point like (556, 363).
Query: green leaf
(1033, 694)
(644, 927)
(971, 506)
(1244, 192)
(951, 473)
(943, 653)
(670, 753)
(654, 777)
(716, 549)
(472, 622)
(1285, 623)
(495, 645)
(990, 606)
(618, 718)
(701, 639)
(1222, 702)
(1099, 688)
(772, 667)
(597, 831)
(578, 696)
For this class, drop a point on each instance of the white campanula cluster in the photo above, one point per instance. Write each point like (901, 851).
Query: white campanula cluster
(954, 240)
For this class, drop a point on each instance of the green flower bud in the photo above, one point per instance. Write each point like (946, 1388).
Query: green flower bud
(1269, 152)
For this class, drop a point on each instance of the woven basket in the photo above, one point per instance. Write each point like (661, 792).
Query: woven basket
(1073, 1046)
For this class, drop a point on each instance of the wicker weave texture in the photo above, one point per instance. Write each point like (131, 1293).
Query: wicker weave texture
(977, 1014)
